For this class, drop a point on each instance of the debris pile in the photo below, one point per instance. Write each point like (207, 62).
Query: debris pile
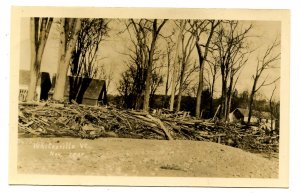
(72, 120)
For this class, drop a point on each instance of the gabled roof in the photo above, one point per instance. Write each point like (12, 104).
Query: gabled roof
(94, 89)
(244, 112)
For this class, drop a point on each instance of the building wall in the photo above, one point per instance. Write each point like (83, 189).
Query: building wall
(252, 120)
(268, 122)
(23, 91)
(233, 118)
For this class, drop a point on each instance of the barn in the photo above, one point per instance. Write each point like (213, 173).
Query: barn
(92, 91)
(241, 115)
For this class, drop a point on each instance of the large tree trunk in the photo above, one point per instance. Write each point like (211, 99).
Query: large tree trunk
(176, 63)
(229, 98)
(180, 86)
(65, 58)
(229, 105)
(166, 91)
(199, 93)
(167, 83)
(33, 73)
(34, 76)
(155, 32)
(202, 59)
(148, 76)
(200, 85)
(38, 43)
(212, 97)
(251, 99)
(250, 108)
(224, 93)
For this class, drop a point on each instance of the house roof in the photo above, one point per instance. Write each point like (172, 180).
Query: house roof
(258, 114)
(94, 89)
(92, 92)
(244, 112)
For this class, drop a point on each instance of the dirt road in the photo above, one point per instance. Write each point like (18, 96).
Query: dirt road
(135, 157)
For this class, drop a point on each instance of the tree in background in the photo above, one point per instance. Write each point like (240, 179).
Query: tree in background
(155, 31)
(267, 61)
(169, 64)
(39, 32)
(132, 83)
(232, 52)
(126, 89)
(106, 75)
(176, 64)
(187, 47)
(203, 31)
(143, 55)
(213, 72)
(84, 62)
(157, 81)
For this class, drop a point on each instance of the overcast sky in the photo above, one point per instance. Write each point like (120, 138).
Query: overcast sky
(116, 44)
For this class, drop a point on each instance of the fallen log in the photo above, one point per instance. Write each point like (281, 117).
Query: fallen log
(161, 126)
(138, 113)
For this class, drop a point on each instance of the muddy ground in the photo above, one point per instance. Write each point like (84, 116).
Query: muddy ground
(140, 157)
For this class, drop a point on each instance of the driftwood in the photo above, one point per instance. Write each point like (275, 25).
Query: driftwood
(161, 126)
(70, 120)
(216, 113)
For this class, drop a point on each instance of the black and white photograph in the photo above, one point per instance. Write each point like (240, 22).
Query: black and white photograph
(134, 94)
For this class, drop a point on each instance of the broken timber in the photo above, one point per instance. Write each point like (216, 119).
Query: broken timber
(52, 119)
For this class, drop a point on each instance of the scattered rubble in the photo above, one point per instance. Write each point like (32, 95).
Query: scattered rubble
(51, 119)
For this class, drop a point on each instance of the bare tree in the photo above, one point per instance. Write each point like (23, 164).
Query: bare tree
(84, 63)
(232, 52)
(69, 28)
(125, 88)
(187, 47)
(263, 64)
(176, 64)
(169, 63)
(155, 31)
(39, 32)
(143, 55)
(157, 81)
(189, 77)
(198, 29)
(109, 79)
(106, 75)
(213, 73)
(134, 85)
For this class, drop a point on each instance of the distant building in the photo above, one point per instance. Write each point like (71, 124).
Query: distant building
(241, 115)
(42, 88)
(92, 91)
(24, 81)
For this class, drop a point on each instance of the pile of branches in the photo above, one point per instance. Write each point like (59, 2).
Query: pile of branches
(72, 120)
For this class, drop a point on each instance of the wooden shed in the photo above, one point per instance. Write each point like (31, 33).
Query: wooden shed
(91, 92)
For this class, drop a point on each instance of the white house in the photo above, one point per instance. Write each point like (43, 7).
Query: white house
(24, 81)
(261, 117)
